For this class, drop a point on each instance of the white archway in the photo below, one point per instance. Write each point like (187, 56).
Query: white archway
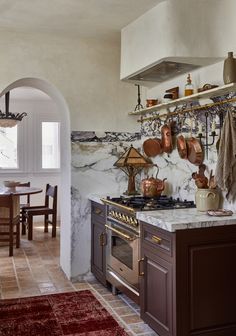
(56, 96)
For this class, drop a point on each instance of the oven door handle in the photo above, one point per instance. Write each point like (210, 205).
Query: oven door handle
(120, 233)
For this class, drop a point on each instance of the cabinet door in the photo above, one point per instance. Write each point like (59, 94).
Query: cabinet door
(98, 242)
(156, 293)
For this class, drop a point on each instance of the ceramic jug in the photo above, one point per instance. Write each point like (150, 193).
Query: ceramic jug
(229, 72)
(207, 199)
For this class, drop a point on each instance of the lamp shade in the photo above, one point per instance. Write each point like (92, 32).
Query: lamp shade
(132, 158)
(132, 162)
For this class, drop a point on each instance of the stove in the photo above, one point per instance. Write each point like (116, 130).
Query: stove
(123, 209)
(123, 238)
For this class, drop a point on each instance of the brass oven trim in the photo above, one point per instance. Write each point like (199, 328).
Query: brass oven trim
(121, 233)
(106, 201)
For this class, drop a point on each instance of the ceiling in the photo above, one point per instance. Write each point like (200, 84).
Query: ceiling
(84, 18)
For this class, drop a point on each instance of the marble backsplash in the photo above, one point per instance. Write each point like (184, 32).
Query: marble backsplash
(93, 157)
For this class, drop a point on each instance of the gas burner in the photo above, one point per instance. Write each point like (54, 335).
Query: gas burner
(139, 203)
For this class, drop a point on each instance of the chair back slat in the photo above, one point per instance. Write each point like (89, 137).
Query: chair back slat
(51, 191)
(25, 184)
(8, 221)
(6, 201)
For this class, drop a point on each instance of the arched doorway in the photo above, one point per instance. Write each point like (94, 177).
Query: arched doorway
(56, 96)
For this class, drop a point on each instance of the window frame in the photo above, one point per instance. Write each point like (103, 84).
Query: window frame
(29, 145)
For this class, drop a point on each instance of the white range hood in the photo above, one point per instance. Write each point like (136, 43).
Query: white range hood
(176, 37)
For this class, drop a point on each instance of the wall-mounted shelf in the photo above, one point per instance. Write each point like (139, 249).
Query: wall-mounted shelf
(219, 91)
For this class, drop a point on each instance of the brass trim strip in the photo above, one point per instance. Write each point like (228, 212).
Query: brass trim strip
(120, 233)
(106, 201)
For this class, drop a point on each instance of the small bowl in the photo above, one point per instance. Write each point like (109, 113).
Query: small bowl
(151, 102)
(10, 184)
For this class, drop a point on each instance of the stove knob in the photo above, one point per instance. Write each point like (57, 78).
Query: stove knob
(120, 216)
(132, 222)
(135, 222)
(127, 219)
(115, 214)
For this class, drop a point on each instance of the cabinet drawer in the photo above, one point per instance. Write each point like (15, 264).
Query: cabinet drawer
(98, 211)
(157, 239)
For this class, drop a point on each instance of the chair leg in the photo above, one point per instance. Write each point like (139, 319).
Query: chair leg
(30, 227)
(46, 223)
(23, 230)
(54, 226)
(18, 235)
(11, 240)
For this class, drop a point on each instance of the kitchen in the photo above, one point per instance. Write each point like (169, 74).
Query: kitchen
(95, 149)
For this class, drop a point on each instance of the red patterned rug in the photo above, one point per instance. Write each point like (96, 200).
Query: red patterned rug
(71, 314)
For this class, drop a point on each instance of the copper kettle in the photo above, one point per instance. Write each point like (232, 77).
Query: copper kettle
(152, 186)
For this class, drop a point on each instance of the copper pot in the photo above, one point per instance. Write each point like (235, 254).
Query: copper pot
(195, 152)
(152, 147)
(166, 139)
(152, 186)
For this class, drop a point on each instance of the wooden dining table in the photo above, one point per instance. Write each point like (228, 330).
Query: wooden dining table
(17, 192)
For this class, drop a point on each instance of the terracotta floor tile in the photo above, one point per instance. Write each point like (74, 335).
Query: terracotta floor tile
(134, 318)
(124, 311)
(35, 270)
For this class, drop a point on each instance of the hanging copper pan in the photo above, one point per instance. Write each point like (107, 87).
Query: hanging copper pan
(195, 152)
(152, 147)
(166, 138)
(182, 147)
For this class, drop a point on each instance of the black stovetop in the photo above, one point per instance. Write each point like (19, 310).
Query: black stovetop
(162, 202)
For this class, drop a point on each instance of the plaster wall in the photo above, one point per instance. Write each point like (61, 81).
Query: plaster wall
(85, 71)
(186, 29)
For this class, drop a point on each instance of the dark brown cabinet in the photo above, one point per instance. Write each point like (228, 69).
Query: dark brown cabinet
(98, 237)
(156, 293)
(188, 282)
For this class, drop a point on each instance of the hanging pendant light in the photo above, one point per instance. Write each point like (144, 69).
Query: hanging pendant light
(9, 119)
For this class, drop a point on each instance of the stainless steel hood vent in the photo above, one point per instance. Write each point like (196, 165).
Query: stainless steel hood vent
(163, 71)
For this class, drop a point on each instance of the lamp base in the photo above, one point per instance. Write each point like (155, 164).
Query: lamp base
(131, 193)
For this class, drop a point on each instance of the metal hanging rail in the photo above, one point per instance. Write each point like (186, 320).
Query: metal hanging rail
(191, 109)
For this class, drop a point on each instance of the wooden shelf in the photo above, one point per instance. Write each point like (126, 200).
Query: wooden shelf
(219, 91)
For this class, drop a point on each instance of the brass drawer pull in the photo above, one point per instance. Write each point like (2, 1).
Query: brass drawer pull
(103, 239)
(139, 267)
(156, 239)
(97, 211)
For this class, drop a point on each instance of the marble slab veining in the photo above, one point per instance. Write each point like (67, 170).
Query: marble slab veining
(182, 219)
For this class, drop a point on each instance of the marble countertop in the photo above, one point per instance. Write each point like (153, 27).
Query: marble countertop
(176, 219)
(182, 219)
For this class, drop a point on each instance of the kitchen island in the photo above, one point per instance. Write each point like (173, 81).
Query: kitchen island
(187, 272)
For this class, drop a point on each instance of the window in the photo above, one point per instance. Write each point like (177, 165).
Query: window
(50, 145)
(34, 144)
(8, 148)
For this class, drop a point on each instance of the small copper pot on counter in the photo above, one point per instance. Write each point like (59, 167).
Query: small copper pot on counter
(152, 186)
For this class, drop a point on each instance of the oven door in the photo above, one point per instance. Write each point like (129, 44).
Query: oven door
(123, 252)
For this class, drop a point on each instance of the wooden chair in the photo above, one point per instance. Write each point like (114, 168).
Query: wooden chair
(42, 210)
(9, 221)
(25, 204)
